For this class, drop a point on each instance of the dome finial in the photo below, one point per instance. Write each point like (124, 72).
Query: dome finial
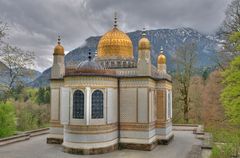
(115, 19)
(89, 55)
(161, 57)
(58, 50)
(59, 40)
(144, 32)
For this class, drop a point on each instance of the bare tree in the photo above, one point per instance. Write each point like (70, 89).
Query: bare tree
(230, 24)
(185, 60)
(3, 29)
(195, 94)
(212, 109)
(16, 61)
(232, 21)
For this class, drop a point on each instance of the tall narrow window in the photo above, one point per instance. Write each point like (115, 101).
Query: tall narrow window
(78, 105)
(97, 104)
(169, 104)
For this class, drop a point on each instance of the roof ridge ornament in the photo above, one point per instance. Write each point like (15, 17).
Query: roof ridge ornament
(144, 32)
(59, 40)
(89, 55)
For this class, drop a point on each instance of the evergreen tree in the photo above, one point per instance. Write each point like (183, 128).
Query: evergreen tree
(40, 96)
(47, 95)
(43, 95)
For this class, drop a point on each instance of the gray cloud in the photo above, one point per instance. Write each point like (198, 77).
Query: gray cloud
(36, 24)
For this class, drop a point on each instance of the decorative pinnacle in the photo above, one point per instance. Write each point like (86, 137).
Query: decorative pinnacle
(115, 19)
(59, 40)
(144, 32)
(89, 55)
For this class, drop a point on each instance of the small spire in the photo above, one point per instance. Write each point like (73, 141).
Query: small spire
(115, 20)
(89, 55)
(161, 50)
(144, 32)
(59, 40)
(96, 54)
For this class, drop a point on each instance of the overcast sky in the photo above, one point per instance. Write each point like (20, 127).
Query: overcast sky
(35, 24)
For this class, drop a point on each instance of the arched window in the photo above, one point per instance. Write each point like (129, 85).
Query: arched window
(78, 105)
(97, 104)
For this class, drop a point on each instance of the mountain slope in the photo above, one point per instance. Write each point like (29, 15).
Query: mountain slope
(169, 39)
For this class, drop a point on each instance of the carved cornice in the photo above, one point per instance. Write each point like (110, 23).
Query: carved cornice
(137, 82)
(90, 81)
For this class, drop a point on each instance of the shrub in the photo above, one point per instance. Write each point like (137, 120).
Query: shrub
(26, 119)
(31, 116)
(7, 119)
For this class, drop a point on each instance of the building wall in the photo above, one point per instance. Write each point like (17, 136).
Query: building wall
(56, 129)
(91, 133)
(144, 117)
(137, 123)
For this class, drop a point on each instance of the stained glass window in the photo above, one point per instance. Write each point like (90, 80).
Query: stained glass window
(78, 105)
(97, 104)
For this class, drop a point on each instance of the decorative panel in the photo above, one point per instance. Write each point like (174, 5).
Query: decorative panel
(143, 105)
(65, 105)
(161, 105)
(128, 107)
(55, 104)
(112, 102)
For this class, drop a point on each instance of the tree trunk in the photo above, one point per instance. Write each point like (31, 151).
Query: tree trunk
(186, 119)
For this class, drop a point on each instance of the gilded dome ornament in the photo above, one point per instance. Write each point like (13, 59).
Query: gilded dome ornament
(144, 43)
(115, 44)
(58, 50)
(161, 57)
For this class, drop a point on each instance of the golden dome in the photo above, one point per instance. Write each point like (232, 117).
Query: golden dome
(115, 44)
(144, 43)
(58, 50)
(161, 58)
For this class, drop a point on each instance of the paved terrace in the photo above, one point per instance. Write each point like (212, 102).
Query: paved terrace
(37, 148)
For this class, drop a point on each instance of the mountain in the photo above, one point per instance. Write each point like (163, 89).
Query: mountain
(42, 80)
(169, 39)
(29, 74)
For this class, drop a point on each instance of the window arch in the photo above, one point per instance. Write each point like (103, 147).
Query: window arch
(97, 104)
(78, 105)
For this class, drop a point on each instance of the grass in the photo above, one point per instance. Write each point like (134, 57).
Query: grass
(226, 141)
